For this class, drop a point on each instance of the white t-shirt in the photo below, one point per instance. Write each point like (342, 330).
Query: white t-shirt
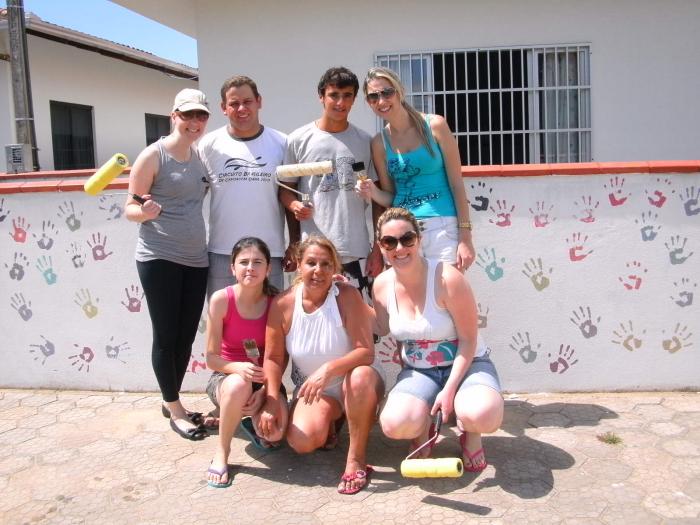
(339, 213)
(244, 201)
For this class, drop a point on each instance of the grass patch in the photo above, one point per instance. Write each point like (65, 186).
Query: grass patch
(610, 438)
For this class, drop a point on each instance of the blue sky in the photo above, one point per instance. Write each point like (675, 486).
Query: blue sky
(110, 21)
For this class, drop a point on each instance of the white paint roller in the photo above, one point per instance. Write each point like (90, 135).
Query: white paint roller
(303, 169)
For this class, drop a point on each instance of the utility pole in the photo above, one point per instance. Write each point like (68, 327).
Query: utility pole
(21, 84)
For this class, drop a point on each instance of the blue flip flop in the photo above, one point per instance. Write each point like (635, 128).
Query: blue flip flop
(249, 431)
(219, 473)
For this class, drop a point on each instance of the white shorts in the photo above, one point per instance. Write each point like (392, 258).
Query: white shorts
(439, 238)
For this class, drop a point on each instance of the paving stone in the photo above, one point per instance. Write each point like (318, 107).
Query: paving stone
(692, 488)
(681, 447)
(654, 412)
(58, 406)
(609, 470)
(672, 504)
(13, 464)
(35, 446)
(686, 467)
(584, 502)
(17, 413)
(617, 514)
(38, 399)
(35, 511)
(689, 420)
(666, 428)
(549, 419)
(37, 421)
(683, 403)
(7, 424)
(94, 401)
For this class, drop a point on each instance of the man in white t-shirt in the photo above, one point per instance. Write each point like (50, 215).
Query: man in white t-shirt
(241, 159)
(338, 213)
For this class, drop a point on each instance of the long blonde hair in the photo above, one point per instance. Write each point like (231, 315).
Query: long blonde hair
(414, 115)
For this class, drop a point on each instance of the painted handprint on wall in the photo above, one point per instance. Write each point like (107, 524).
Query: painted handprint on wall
(690, 200)
(45, 266)
(42, 350)
(20, 227)
(67, 212)
(83, 299)
(17, 270)
(676, 249)
(82, 359)
(21, 306)
(583, 319)
(502, 213)
(489, 262)
(678, 340)
(649, 226)
(202, 325)
(563, 361)
(133, 299)
(585, 209)
(523, 346)
(577, 247)
(684, 292)
(389, 351)
(97, 244)
(616, 194)
(634, 274)
(110, 204)
(657, 197)
(113, 351)
(482, 196)
(48, 233)
(482, 316)
(535, 271)
(542, 214)
(626, 337)
(4, 212)
(198, 362)
(77, 255)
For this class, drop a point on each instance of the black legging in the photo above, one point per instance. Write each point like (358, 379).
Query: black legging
(175, 296)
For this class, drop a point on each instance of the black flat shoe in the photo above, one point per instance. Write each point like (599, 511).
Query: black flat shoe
(196, 417)
(193, 433)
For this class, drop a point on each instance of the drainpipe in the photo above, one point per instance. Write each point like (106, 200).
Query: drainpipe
(21, 84)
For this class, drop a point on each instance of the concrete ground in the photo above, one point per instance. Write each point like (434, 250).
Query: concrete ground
(89, 457)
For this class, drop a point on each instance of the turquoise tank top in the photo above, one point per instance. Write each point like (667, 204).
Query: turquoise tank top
(420, 179)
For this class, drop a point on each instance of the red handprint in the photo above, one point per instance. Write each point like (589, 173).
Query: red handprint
(21, 226)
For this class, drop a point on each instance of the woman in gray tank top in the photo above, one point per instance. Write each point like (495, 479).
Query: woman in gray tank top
(171, 251)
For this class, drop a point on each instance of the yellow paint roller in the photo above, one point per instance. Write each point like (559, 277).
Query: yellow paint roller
(303, 169)
(109, 171)
(431, 468)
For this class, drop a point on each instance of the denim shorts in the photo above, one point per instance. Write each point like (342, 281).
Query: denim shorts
(426, 383)
(216, 379)
(439, 238)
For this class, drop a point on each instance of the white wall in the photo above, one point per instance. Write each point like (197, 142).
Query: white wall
(645, 68)
(119, 92)
(531, 288)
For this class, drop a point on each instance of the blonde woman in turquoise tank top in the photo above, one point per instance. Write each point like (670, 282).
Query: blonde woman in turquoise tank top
(417, 161)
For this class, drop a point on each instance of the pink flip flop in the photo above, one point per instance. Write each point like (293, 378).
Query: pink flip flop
(471, 467)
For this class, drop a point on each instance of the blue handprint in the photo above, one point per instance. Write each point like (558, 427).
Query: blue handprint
(489, 262)
(45, 265)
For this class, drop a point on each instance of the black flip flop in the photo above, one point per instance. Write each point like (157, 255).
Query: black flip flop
(196, 417)
(193, 434)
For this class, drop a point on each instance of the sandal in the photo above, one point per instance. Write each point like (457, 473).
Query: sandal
(332, 440)
(196, 417)
(358, 474)
(219, 485)
(193, 433)
(471, 456)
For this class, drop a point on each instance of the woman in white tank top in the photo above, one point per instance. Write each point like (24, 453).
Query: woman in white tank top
(429, 307)
(326, 330)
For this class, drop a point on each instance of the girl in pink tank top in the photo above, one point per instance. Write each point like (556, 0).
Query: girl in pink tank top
(235, 350)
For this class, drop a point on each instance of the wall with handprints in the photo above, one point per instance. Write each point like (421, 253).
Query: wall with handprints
(582, 282)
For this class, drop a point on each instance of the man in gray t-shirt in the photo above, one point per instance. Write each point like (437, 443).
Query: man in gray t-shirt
(338, 213)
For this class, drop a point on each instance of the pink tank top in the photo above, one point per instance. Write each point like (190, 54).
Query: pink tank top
(236, 329)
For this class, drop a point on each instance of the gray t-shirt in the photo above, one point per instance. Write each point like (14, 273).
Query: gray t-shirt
(339, 213)
(178, 234)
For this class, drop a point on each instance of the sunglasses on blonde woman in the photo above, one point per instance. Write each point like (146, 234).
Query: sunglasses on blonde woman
(385, 93)
(390, 243)
(189, 115)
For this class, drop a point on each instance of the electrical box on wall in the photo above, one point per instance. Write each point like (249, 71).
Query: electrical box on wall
(19, 158)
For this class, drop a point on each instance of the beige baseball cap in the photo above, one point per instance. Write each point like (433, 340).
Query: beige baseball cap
(190, 99)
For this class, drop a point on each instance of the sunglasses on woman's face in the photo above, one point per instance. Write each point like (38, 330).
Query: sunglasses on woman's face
(407, 240)
(189, 115)
(385, 93)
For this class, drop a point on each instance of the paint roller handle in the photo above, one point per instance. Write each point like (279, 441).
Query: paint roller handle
(437, 423)
(137, 198)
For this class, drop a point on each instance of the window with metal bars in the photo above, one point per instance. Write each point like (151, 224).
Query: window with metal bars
(505, 105)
